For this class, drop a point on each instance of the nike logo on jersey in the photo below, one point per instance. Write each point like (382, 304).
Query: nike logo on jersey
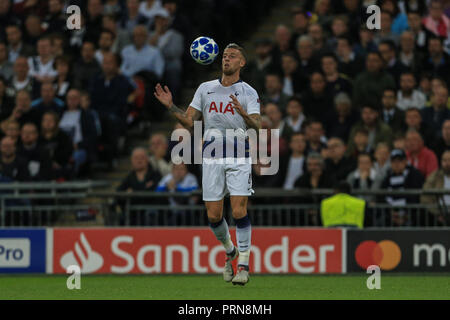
(210, 92)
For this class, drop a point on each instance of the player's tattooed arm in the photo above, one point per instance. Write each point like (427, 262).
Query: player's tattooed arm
(186, 118)
(251, 120)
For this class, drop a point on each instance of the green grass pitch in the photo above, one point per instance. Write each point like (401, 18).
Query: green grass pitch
(191, 287)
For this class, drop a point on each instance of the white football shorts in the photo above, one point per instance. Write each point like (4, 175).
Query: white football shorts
(226, 175)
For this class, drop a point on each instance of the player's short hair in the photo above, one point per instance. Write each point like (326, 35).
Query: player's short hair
(237, 47)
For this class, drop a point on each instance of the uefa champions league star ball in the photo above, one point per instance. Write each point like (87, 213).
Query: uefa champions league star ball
(204, 50)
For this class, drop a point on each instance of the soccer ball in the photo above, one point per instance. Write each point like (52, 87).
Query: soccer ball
(204, 50)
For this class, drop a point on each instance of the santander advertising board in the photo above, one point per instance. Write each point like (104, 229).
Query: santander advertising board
(193, 250)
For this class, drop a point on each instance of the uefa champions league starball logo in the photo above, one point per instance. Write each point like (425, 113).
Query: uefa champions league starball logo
(204, 50)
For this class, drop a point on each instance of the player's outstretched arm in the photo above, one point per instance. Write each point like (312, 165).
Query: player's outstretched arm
(187, 117)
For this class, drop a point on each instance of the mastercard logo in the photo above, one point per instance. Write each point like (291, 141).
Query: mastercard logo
(386, 254)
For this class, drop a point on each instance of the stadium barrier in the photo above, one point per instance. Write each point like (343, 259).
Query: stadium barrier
(66, 205)
(196, 251)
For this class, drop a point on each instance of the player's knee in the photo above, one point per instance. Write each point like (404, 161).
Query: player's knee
(239, 212)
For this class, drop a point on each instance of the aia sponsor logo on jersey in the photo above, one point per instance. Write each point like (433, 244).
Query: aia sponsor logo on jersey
(220, 108)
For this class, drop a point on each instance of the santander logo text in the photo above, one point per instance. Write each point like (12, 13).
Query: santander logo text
(195, 250)
(82, 256)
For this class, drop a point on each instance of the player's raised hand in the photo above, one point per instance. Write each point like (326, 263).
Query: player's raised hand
(163, 95)
(237, 105)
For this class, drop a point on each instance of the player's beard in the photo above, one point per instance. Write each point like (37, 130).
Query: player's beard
(228, 72)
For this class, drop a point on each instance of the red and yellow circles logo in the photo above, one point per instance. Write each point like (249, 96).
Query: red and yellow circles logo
(386, 254)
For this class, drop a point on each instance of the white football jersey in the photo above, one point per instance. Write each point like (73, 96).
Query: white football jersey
(213, 100)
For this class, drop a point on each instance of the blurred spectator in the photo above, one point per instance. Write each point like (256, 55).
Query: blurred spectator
(392, 115)
(110, 92)
(344, 117)
(276, 119)
(360, 142)
(315, 177)
(385, 33)
(370, 84)
(419, 156)
(93, 20)
(179, 180)
(438, 62)
(6, 66)
(55, 19)
(315, 31)
(140, 56)
(349, 62)
(294, 110)
(300, 21)
(7, 17)
(443, 142)
(12, 167)
(282, 43)
(416, 27)
(22, 111)
(132, 17)
(293, 80)
(38, 160)
(339, 28)
(413, 120)
(295, 163)
(365, 177)
(314, 132)
(22, 79)
(80, 125)
(86, 67)
(149, 8)
(366, 42)
(170, 43)
(408, 56)
(274, 93)
(47, 102)
(57, 144)
(322, 13)
(378, 131)
(178, 19)
(114, 7)
(62, 81)
(400, 20)
(305, 51)
(382, 160)
(16, 46)
(400, 176)
(257, 68)
(399, 142)
(105, 43)
(6, 102)
(440, 179)
(158, 154)
(408, 96)
(317, 101)
(435, 115)
(33, 30)
(437, 22)
(121, 37)
(337, 164)
(12, 130)
(394, 66)
(335, 82)
(41, 66)
(142, 176)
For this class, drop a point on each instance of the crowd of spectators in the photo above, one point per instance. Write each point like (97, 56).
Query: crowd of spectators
(370, 107)
(72, 95)
(367, 106)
